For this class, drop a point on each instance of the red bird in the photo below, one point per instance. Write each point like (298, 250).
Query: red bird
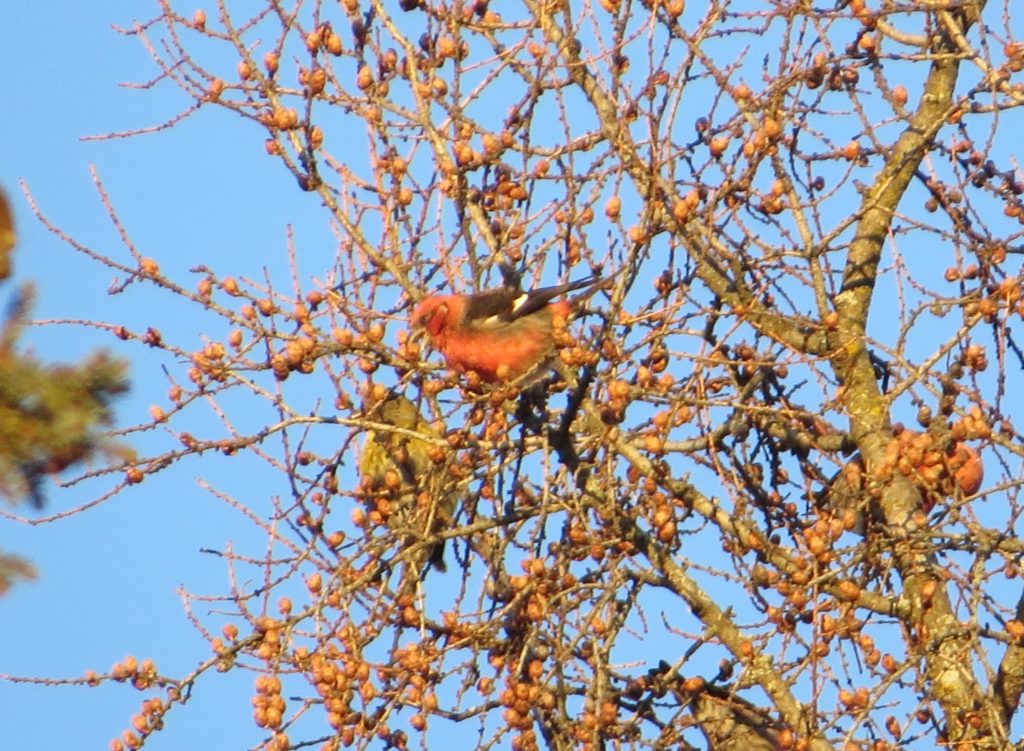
(501, 334)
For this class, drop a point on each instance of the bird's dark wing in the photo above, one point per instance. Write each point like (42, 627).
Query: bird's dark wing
(494, 303)
(505, 304)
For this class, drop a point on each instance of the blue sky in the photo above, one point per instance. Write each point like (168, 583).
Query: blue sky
(107, 578)
(201, 192)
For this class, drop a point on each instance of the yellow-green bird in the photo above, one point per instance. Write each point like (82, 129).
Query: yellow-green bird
(398, 468)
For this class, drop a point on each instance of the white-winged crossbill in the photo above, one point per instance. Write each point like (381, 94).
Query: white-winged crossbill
(501, 334)
(411, 491)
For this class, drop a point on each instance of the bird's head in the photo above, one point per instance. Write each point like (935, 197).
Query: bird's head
(432, 314)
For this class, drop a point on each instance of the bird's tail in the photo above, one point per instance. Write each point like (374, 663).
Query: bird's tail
(590, 285)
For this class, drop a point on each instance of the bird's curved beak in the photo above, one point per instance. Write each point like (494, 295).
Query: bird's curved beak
(416, 334)
(417, 337)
